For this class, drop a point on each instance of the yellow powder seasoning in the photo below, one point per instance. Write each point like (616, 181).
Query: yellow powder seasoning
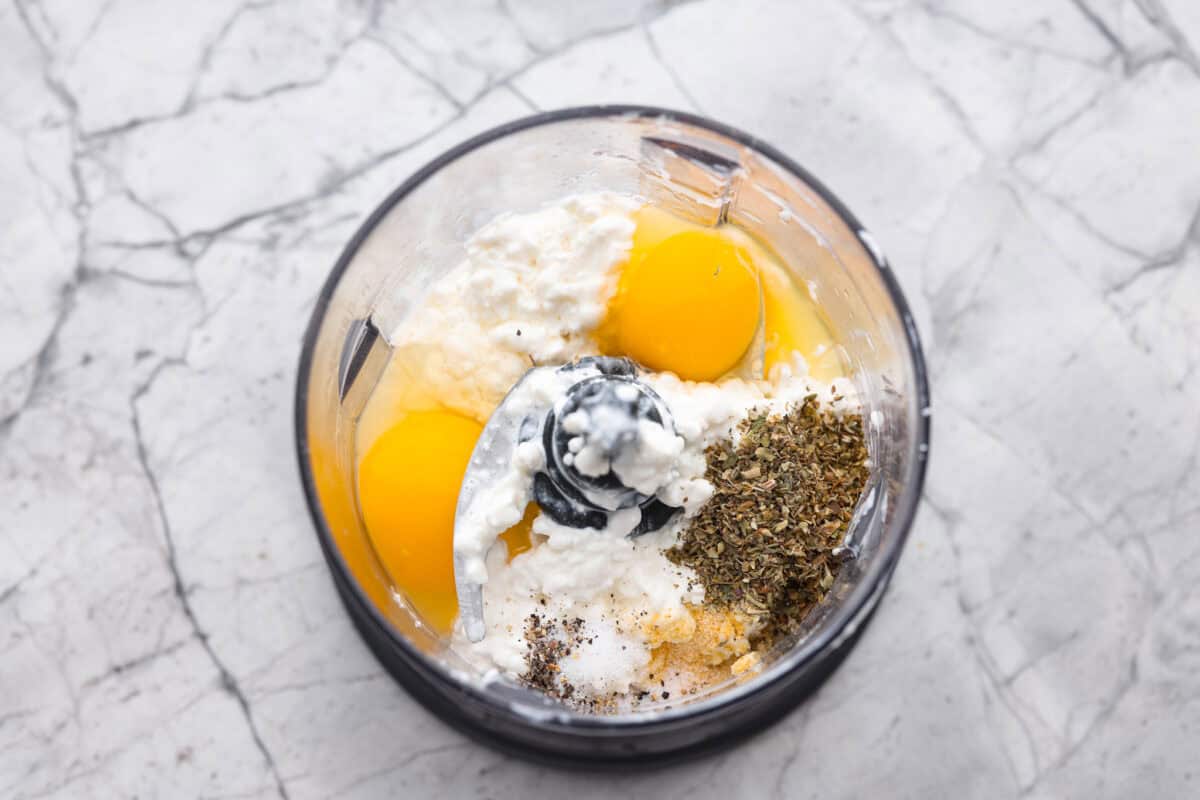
(721, 636)
(746, 663)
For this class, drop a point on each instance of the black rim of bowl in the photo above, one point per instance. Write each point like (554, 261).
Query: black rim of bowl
(383, 634)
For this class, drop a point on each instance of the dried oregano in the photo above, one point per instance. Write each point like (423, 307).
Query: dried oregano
(783, 500)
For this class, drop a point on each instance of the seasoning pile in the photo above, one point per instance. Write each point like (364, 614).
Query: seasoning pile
(763, 546)
(548, 643)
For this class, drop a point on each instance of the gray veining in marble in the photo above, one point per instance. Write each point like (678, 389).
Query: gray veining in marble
(176, 178)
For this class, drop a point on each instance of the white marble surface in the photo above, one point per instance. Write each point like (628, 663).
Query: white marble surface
(177, 178)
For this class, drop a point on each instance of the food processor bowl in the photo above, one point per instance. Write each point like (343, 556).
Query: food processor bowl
(697, 169)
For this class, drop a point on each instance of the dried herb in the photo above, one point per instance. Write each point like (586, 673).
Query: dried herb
(784, 495)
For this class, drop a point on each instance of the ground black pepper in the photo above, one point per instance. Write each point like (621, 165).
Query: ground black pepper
(547, 643)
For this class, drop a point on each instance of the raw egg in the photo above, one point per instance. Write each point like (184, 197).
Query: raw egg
(408, 486)
(688, 304)
(792, 325)
(519, 537)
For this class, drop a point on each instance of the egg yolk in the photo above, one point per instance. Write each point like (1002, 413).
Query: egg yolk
(408, 486)
(519, 537)
(689, 305)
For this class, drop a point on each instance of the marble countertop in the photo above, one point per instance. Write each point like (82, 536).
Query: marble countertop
(176, 179)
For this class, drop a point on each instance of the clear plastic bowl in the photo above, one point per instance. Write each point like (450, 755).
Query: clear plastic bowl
(698, 169)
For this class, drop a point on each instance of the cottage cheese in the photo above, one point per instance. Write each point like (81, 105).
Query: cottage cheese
(533, 286)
